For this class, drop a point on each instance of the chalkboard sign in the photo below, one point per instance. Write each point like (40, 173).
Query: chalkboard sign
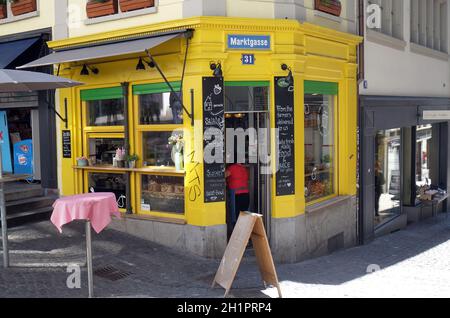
(67, 144)
(284, 122)
(214, 126)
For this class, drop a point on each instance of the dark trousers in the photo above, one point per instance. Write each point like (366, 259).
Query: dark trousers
(242, 202)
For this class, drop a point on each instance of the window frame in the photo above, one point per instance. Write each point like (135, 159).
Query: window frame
(335, 162)
(138, 131)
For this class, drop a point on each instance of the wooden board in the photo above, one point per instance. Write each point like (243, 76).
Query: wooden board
(249, 225)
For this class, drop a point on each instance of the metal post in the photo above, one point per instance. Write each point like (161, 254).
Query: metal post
(89, 259)
(4, 227)
(3, 218)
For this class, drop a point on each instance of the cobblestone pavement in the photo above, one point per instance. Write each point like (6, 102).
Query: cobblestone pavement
(413, 263)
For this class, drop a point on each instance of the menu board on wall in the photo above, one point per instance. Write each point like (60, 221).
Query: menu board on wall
(284, 122)
(66, 144)
(213, 139)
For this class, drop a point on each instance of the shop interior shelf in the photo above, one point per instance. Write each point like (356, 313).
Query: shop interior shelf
(155, 170)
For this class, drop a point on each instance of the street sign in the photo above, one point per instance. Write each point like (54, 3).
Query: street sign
(248, 42)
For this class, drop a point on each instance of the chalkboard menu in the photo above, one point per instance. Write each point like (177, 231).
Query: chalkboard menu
(284, 122)
(213, 127)
(66, 144)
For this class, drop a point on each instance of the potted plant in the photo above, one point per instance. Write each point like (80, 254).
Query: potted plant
(100, 8)
(327, 161)
(132, 160)
(130, 5)
(3, 9)
(82, 162)
(333, 7)
(177, 143)
(19, 7)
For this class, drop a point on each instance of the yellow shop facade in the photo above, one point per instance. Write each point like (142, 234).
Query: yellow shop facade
(149, 86)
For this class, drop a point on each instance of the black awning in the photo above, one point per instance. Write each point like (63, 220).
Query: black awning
(10, 51)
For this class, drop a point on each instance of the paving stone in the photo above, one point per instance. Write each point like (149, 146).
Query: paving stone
(413, 263)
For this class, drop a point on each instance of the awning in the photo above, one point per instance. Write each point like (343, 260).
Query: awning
(13, 49)
(102, 50)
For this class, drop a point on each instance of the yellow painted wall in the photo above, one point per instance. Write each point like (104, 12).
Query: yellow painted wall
(45, 19)
(314, 53)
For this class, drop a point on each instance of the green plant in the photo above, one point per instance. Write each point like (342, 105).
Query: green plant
(133, 157)
(326, 159)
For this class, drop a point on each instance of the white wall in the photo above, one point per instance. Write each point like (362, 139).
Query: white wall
(393, 70)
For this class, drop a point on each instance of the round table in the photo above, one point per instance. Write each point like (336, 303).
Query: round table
(96, 209)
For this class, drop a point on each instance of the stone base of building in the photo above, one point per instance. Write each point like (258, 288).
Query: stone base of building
(205, 241)
(323, 229)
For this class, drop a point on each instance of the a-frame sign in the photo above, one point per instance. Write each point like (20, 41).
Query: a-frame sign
(249, 225)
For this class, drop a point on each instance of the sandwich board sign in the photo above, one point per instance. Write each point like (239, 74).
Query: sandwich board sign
(249, 225)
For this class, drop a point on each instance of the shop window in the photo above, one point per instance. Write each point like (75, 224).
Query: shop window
(246, 96)
(423, 144)
(162, 194)
(158, 104)
(104, 106)
(109, 112)
(387, 175)
(102, 150)
(109, 182)
(156, 148)
(320, 140)
(160, 108)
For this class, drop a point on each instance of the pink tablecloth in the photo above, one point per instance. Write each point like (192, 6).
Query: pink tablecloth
(96, 207)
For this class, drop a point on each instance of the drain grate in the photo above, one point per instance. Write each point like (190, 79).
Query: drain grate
(111, 273)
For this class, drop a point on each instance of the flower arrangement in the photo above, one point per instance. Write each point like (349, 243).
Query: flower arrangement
(82, 161)
(119, 158)
(177, 142)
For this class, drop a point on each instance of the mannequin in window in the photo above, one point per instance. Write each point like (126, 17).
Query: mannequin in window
(379, 183)
(176, 107)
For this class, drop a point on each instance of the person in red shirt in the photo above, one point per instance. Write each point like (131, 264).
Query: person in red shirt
(237, 177)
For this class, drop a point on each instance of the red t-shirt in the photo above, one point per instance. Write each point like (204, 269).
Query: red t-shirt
(238, 178)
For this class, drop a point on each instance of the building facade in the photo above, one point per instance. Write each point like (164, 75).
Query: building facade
(164, 68)
(25, 27)
(404, 103)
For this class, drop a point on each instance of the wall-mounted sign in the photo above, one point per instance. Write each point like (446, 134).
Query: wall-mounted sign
(284, 122)
(436, 115)
(248, 59)
(67, 144)
(214, 121)
(252, 42)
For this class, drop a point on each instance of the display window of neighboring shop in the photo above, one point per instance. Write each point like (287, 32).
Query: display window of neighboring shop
(406, 165)
(321, 141)
(157, 116)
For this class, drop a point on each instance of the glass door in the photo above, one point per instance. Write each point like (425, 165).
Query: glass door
(388, 175)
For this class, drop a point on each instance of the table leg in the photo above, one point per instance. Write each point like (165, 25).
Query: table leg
(4, 227)
(89, 259)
